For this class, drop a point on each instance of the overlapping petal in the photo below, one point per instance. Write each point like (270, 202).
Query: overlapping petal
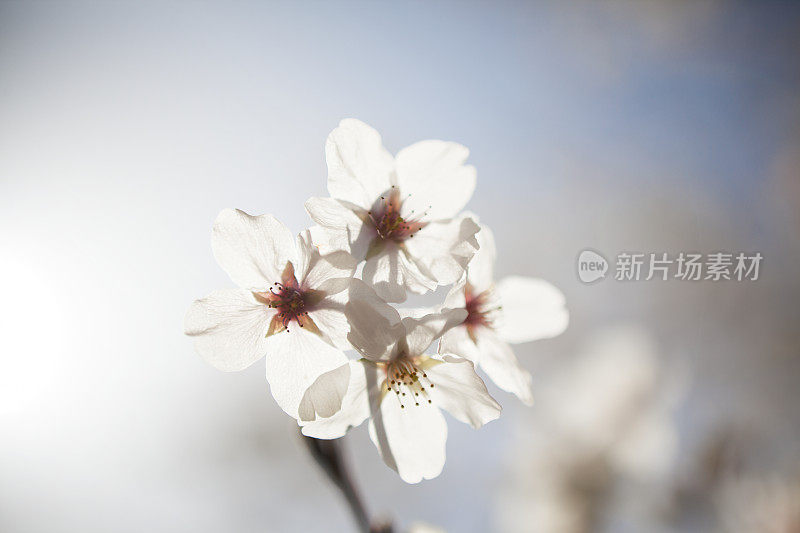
(341, 226)
(459, 391)
(445, 248)
(391, 273)
(480, 274)
(313, 269)
(361, 381)
(375, 326)
(421, 332)
(295, 359)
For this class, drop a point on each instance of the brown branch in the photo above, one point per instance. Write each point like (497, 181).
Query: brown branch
(328, 455)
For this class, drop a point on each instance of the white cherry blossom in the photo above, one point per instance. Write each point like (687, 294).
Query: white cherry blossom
(399, 214)
(400, 388)
(289, 305)
(516, 309)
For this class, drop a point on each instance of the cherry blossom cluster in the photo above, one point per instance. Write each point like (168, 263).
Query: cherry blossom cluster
(391, 226)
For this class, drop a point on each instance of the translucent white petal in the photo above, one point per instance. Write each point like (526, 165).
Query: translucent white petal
(433, 173)
(458, 342)
(455, 296)
(341, 226)
(313, 268)
(359, 167)
(391, 273)
(458, 390)
(253, 250)
(362, 384)
(445, 248)
(375, 326)
(410, 440)
(421, 332)
(480, 272)
(417, 312)
(532, 309)
(296, 358)
(229, 328)
(330, 318)
(324, 397)
(497, 359)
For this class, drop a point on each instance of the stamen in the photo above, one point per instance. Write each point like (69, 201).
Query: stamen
(404, 378)
(388, 222)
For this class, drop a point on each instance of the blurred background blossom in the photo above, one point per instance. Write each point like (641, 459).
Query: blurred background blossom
(654, 127)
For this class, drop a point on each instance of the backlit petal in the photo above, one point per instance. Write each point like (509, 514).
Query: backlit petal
(295, 359)
(362, 383)
(410, 440)
(497, 359)
(433, 173)
(229, 328)
(458, 390)
(375, 326)
(421, 332)
(480, 273)
(532, 309)
(359, 167)
(445, 248)
(253, 250)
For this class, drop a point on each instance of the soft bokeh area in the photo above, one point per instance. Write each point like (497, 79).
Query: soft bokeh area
(125, 127)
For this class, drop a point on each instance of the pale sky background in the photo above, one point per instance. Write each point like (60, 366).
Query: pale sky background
(126, 126)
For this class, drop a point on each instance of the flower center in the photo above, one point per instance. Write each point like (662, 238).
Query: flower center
(291, 301)
(385, 216)
(407, 381)
(480, 311)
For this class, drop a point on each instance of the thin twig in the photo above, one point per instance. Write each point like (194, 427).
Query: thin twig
(328, 455)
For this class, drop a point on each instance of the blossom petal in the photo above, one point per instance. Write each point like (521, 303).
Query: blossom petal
(295, 359)
(253, 250)
(359, 167)
(341, 226)
(391, 273)
(497, 359)
(455, 296)
(458, 342)
(532, 309)
(313, 268)
(445, 248)
(421, 332)
(375, 326)
(459, 391)
(330, 318)
(433, 173)
(410, 440)
(480, 273)
(361, 385)
(324, 397)
(229, 327)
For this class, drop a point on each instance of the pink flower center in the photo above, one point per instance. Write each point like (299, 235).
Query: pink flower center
(407, 381)
(388, 222)
(291, 301)
(480, 310)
